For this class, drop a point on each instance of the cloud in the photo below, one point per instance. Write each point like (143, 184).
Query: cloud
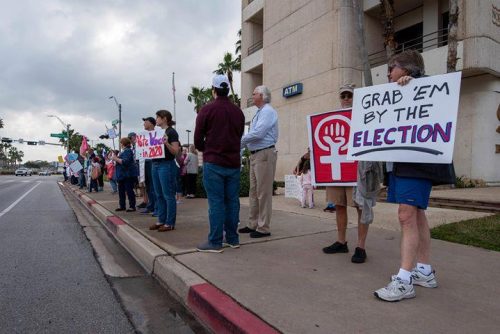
(67, 57)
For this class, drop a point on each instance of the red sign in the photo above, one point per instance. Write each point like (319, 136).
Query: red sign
(328, 140)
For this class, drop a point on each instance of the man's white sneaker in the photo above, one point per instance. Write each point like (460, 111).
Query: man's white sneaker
(395, 291)
(417, 278)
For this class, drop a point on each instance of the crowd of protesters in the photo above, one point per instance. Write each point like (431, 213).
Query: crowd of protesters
(219, 135)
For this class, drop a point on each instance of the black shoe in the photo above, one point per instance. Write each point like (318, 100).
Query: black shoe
(131, 210)
(245, 229)
(329, 209)
(257, 234)
(120, 209)
(336, 247)
(142, 205)
(359, 256)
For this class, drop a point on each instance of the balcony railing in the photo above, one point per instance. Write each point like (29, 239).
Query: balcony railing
(255, 47)
(425, 42)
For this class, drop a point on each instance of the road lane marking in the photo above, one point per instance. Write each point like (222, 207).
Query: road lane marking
(19, 199)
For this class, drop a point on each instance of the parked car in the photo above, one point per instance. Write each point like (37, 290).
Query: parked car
(45, 173)
(23, 172)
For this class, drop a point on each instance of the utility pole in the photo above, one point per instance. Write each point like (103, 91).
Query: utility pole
(67, 131)
(119, 105)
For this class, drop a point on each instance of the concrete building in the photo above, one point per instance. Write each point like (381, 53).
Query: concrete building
(312, 43)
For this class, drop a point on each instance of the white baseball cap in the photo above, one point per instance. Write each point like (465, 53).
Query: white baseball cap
(219, 80)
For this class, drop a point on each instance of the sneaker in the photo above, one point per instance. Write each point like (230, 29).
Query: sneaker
(245, 229)
(207, 247)
(395, 291)
(427, 281)
(359, 255)
(329, 209)
(232, 245)
(336, 247)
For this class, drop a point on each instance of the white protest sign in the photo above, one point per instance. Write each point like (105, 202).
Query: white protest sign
(142, 175)
(112, 133)
(150, 144)
(292, 187)
(76, 166)
(411, 123)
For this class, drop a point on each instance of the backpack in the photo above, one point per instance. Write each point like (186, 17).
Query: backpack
(96, 171)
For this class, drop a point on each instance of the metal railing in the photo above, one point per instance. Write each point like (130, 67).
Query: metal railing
(255, 47)
(421, 43)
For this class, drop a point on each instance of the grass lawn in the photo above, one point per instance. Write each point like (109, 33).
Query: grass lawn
(481, 232)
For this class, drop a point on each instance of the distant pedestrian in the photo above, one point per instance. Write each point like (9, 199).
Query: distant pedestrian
(307, 188)
(191, 163)
(126, 174)
(219, 127)
(165, 174)
(410, 185)
(95, 172)
(261, 140)
(110, 171)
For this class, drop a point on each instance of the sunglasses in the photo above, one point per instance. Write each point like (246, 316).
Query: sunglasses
(345, 96)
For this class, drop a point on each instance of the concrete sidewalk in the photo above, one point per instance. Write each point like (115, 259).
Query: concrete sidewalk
(288, 282)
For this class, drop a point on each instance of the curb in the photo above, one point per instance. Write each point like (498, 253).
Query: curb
(214, 308)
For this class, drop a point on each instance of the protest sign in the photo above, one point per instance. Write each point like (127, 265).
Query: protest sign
(292, 187)
(76, 166)
(60, 158)
(111, 133)
(411, 123)
(328, 139)
(150, 144)
(72, 157)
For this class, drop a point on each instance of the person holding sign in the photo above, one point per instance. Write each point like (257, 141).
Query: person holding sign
(126, 174)
(409, 185)
(165, 175)
(343, 197)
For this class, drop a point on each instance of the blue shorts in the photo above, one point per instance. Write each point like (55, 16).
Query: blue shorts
(408, 190)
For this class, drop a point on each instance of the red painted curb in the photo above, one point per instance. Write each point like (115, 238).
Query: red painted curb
(222, 313)
(115, 220)
(91, 202)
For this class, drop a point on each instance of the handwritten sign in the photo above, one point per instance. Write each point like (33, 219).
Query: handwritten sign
(150, 144)
(292, 187)
(76, 166)
(411, 123)
(328, 140)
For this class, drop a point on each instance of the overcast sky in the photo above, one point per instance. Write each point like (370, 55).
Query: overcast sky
(67, 57)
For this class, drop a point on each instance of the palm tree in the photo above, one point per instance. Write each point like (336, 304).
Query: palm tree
(451, 63)
(20, 156)
(1, 123)
(227, 67)
(200, 97)
(387, 7)
(13, 155)
(237, 50)
(74, 142)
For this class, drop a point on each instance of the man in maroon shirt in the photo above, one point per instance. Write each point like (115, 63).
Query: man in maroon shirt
(219, 128)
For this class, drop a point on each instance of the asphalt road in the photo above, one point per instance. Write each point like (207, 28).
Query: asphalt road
(51, 281)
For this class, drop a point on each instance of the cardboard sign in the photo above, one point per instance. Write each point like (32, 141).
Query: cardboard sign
(150, 144)
(328, 140)
(76, 166)
(292, 187)
(411, 123)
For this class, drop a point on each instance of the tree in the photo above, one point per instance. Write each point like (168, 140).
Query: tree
(75, 140)
(100, 146)
(237, 50)
(14, 155)
(1, 123)
(227, 67)
(451, 62)
(200, 97)
(387, 7)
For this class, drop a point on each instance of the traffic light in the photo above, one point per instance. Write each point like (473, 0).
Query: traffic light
(31, 142)
(6, 140)
(106, 136)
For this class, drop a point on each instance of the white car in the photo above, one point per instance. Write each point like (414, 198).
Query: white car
(23, 172)
(45, 173)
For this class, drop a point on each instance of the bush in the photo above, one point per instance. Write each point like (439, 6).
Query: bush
(465, 182)
(244, 183)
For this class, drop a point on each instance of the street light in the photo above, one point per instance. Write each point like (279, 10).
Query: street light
(188, 131)
(119, 117)
(67, 129)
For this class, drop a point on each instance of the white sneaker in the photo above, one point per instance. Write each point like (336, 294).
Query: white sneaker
(417, 278)
(395, 291)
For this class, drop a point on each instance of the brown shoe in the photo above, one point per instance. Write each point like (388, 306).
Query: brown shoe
(155, 227)
(166, 228)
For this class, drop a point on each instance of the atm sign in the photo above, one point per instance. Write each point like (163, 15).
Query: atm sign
(292, 90)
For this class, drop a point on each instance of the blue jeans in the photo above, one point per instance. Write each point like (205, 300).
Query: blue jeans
(164, 183)
(150, 188)
(223, 191)
(113, 183)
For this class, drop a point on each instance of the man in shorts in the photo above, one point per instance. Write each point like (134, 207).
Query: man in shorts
(343, 197)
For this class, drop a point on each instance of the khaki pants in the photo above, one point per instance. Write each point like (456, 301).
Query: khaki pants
(262, 170)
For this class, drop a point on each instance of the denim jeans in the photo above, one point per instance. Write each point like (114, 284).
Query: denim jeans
(113, 184)
(164, 183)
(223, 190)
(81, 179)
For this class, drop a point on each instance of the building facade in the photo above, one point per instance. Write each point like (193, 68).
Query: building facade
(304, 50)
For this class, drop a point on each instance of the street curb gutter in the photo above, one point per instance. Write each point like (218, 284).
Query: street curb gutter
(217, 310)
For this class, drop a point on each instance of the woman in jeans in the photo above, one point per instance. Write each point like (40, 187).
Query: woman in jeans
(126, 174)
(165, 172)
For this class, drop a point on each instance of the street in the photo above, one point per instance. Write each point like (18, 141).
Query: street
(53, 281)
